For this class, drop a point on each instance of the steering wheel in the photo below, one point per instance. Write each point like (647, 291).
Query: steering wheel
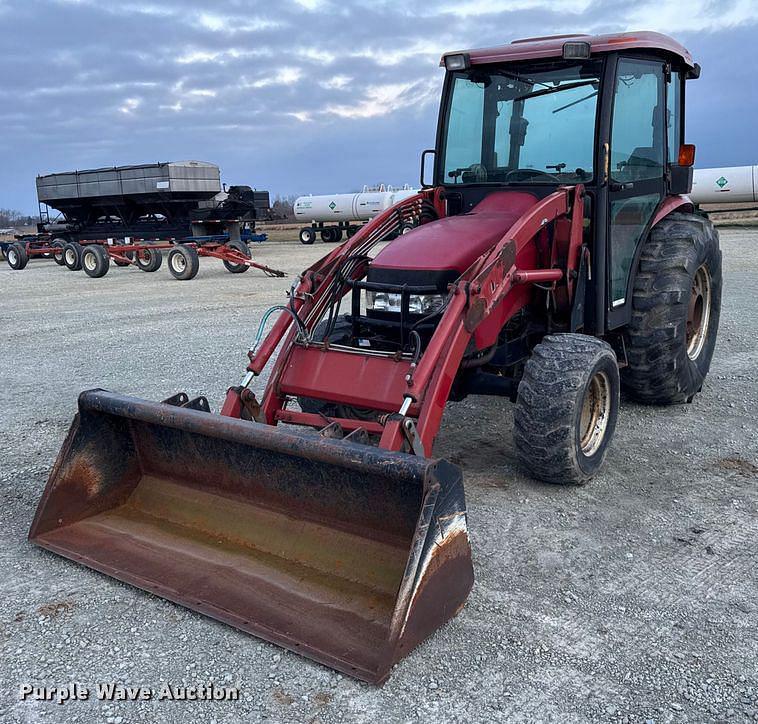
(522, 174)
(478, 171)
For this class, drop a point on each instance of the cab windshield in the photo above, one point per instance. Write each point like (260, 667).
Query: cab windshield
(531, 124)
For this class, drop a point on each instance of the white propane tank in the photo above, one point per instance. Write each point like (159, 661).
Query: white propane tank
(348, 207)
(732, 185)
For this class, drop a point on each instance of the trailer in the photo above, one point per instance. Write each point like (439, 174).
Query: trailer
(144, 201)
(95, 256)
(150, 204)
(730, 185)
(183, 258)
(332, 215)
(161, 200)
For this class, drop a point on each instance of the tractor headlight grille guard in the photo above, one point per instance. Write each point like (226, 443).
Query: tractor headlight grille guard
(380, 301)
(397, 313)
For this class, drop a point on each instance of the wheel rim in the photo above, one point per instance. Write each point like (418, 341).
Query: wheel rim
(89, 261)
(69, 257)
(178, 263)
(699, 312)
(12, 256)
(596, 410)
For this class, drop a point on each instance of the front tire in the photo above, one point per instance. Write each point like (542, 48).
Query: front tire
(72, 256)
(17, 257)
(566, 408)
(676, 306)
(95, 261)
(242, 248)
(183, 262)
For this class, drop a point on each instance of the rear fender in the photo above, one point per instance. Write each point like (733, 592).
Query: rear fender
(671, 204)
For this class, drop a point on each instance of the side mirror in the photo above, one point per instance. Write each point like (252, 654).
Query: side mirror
(422, 177)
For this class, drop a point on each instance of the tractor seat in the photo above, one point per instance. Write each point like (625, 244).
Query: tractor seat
(640, 163)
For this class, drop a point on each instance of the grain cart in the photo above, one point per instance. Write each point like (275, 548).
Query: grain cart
(557, 259)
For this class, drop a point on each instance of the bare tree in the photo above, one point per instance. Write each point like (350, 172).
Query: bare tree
(282, 208)
(11, 217)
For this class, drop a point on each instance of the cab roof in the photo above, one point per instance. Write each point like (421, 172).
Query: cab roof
(552, 47)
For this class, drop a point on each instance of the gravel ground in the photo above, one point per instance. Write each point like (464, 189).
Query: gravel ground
(632, 599)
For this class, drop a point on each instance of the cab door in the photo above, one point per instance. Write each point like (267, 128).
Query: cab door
(636, 173)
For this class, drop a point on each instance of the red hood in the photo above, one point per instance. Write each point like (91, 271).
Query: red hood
(455, 242)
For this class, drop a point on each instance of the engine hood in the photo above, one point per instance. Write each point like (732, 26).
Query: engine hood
(452, 244)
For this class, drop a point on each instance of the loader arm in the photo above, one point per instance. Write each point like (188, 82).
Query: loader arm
(410, 395)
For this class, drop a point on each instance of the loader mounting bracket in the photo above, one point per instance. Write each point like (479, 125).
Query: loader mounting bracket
(181, 399)
(251, 408)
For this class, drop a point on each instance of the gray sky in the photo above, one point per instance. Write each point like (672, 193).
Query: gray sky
(306, 96)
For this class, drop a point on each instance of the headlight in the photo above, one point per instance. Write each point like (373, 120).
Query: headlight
(417, 303)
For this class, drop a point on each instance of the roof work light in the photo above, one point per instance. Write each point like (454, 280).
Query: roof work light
(576, 50)
(457, 61)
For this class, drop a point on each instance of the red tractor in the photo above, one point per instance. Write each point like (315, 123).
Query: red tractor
(556, 259)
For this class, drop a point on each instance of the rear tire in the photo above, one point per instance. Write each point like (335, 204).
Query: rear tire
(676, 306)
(566, 408)
(183, 262)
(307, 235)
(16, 256)
(328, 235)
(95, 261)
(149, 260)
(72, 256)
(242, 247)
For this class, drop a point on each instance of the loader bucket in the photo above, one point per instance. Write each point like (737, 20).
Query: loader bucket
(345, 553)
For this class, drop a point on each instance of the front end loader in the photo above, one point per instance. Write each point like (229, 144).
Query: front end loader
(555, 258)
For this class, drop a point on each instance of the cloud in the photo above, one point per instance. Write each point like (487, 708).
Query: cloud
(232, 24)
(382, 100)
(336, 82)
(469, 8)
(302, 95)
(700, 15)
(130, 105)
(283, 76)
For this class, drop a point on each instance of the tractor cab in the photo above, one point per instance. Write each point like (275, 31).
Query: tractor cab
(523, 119)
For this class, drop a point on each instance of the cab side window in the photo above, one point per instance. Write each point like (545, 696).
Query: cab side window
(638, 142)
(637, 151)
